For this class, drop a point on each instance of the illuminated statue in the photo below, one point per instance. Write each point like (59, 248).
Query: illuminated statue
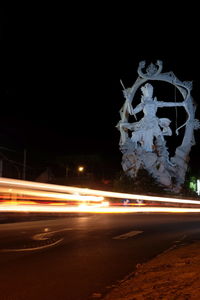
(150, 126)
(143, 142)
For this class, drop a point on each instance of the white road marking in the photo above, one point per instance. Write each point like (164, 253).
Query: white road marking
(127, 235)
(32, 249)
(44, 235)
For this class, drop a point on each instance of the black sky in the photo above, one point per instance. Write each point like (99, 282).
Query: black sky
(61, 69)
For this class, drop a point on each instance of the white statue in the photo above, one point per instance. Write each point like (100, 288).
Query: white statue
(150, 126)
(142, 143)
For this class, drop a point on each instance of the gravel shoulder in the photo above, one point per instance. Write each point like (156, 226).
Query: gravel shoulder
(174, 274)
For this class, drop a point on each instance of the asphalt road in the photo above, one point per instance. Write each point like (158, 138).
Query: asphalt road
(80, 257)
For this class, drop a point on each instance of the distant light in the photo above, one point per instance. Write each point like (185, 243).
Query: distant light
(105, 203)
(80, 168)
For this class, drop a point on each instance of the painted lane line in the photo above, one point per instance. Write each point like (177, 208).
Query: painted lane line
(127, 235)
(32, 249)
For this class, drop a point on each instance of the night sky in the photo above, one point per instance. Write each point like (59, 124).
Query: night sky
(61, 69)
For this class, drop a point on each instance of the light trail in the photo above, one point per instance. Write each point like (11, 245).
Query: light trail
(38, 185)
(92, 209)
(51, 195)
(85, 191)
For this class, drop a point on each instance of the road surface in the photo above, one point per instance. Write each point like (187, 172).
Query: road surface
(80, 257)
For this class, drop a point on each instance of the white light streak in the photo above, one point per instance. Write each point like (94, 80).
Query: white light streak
(85, 191)
(51, 195)
(92, 200)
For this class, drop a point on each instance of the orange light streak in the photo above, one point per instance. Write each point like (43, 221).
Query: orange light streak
(91, 209)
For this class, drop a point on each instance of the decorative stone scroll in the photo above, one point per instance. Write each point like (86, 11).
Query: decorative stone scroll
(142, 143)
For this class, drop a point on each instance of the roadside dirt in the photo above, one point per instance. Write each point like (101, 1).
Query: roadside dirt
(172, 275)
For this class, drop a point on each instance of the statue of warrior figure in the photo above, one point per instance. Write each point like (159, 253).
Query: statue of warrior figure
(150, 126)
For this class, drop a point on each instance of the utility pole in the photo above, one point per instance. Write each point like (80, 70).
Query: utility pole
(1, 168)
(14, 164)
(24, 166)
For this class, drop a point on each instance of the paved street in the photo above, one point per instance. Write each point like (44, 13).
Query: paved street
(74, 258)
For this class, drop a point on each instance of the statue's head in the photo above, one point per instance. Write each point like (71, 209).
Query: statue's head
(147, 90)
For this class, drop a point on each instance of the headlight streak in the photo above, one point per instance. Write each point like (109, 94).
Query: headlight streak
(91, 209)
(60, 196)
(68, 199)
(86, 191)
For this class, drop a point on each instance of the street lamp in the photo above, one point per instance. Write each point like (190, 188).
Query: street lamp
(80, 169)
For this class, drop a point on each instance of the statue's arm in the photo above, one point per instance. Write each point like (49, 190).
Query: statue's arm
(137, 109)
(169, 104)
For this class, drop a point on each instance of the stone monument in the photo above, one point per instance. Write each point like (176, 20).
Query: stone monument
(142, 142)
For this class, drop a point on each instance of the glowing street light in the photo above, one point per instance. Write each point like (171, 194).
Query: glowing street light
(80, 169)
